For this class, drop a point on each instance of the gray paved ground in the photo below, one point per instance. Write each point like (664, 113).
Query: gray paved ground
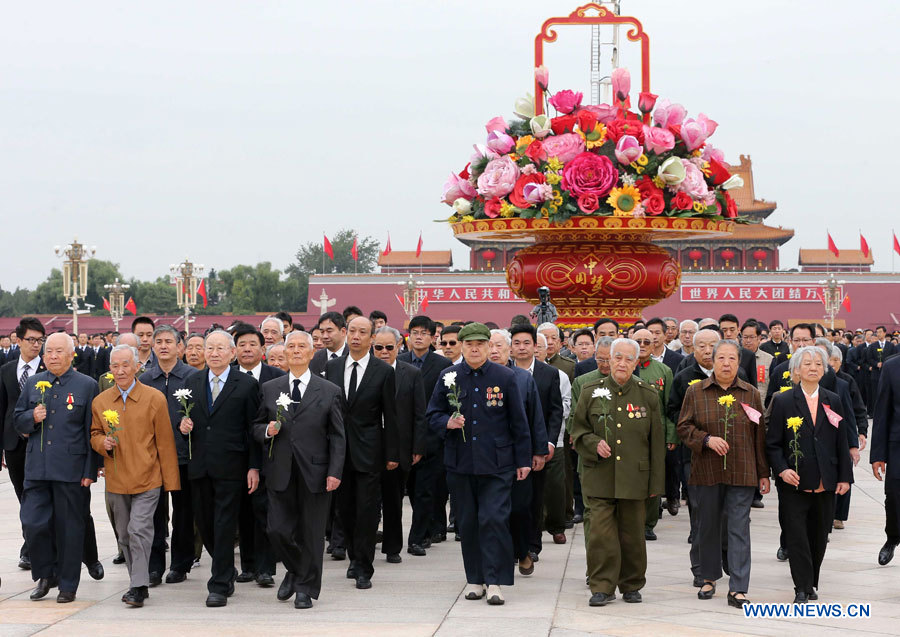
(421, 596)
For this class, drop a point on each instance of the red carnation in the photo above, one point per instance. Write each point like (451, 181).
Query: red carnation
(718, 172)
(588, 203)
(731, 210)
(535, 151)
(492, 207)
(516, 197)
(647, 188)
(654, 204)
(682, 201)
(618, 127)
(563, 124)
(586, 121)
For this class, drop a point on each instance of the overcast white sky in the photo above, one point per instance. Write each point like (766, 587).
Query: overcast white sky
(232, 132)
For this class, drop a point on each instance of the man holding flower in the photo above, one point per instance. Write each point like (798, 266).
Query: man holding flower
(131, 429)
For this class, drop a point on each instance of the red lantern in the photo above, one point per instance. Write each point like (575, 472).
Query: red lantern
(489, 255)
(759, 255)
(728, 255)
(695, 255)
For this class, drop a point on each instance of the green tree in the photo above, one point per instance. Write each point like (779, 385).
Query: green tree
(101, 273)
(157, 297)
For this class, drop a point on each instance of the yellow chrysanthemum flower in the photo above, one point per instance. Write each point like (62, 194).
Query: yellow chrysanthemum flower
(786, 374)
(42, 386)
(727, 400)
(794, 423)
(696, 380)
(785, 388)
(111, 416)
(697, 153)
(658, 182)
(524, 142)
(624, 200)
(553, 178)
(109, 376)
(554, 164)
(704, 167)
(507, 210)
(468, 218)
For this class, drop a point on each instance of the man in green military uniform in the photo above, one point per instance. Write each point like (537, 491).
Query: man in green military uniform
(658, 376)
(619, 435)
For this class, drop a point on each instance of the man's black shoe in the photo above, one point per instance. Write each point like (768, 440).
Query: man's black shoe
(155, 579)
(415, 549)
(95, 570)
(672, 507)
(64, 597)
(351, 571)
(456, 537)
(363, 582)
(379, 536)
(43, 587)
(133, 598)
(451, 528)
(302, 601)
(427, 543)
(782, 554)
(649, 535)
(886, 554)
(245, 576)
(570, 524)
(175, 577)
(328, 549)
(338, 553)
(437, 538)
(286, 589)
(119, 559)
(24, 563)
(758, 504)
(265, 580)
(801, 597)
(215, 600)
(698, 581)
(813, 596)
(633, 597)
(601, 599)
(394, 558)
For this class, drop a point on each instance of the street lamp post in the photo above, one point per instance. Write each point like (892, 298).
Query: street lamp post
(116, 292)
(75, 275)
(411, 298)
(833, 296)
(187, 276)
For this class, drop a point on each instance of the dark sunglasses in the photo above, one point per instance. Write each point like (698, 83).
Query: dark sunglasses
(644, 341)
(449, 343)
(389, 348)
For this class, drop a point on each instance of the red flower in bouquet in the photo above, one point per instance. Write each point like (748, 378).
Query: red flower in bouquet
(535, 151)
(647, 188)
(589, 174)
(619, 127)
(566, 101)
(731, 210)
(654, 204)
(588, 203)
(517, 197)
(718, 172)
(682, 201)
(586, 121)
(492, 207)
(563, 124)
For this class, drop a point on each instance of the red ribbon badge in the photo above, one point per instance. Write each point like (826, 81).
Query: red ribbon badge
(752, 414)
(833, 418)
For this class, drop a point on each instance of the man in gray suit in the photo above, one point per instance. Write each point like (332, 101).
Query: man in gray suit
(303, 463)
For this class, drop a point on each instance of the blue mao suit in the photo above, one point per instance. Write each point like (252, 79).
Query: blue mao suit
(482, 468)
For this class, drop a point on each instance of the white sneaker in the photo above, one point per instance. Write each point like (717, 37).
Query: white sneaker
(494, 596)
(474, 591)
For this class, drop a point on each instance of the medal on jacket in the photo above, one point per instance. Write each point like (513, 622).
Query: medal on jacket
(630, 409)
(69, 401)
(661, 383)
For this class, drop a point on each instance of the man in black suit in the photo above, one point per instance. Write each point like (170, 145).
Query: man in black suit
(13, 377)
(5, 346)
(100, 355)
(84, 356)
(877, 352)
(730, 329)
(303, 466)
(257, 558)
(885, 452)
(429, 501)
(411, 428)
(223, 460)
(523, 343)
(777, 345)
(369, 395)
(333, 329)
(658, 350)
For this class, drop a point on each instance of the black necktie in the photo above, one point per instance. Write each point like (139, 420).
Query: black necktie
(250, 371)
(418, 362)
(295, 393)
(351, 393)
(333, 356)
(24, 378)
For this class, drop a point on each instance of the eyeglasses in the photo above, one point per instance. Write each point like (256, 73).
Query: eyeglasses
(420, 333)
(33, 341)
(644, 341)
(449, 343)
(389, 348)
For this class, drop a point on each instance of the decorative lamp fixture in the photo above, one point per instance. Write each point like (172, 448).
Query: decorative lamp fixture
(695, 255)
(489, 255)
(728, 255)
(760, 256)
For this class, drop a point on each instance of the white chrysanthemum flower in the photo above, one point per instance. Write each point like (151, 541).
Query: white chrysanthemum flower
(284, 401)
(602, 392)
(182, 394)
(449, 379)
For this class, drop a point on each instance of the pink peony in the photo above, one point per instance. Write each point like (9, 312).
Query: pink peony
(589, 174)
(658, 140)
(694, 183)
(566, 101)
(564, 147)
(621, 83)
(604, 112)
(499, 177)
(710, 152)
(457, 187)
(668, 114)
(496, 124)
(628, 149)
(500, 142)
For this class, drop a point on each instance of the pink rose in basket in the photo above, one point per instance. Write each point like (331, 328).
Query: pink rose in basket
(500, 142)
(566, 101)
(496, 124)
(658, 140)
(668, 114)
(604, 112)
(628, 149)
(589, 174)
(564, 147)
(499, 177)
(457, 187)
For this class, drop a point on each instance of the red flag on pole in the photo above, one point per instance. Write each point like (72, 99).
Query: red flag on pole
(832, 246)
(846, 303)
(820, 297)
(201, 291)
(896, 244)
(327, 247)
(864, 246)
(105, 304)
(130, 306)
(400, 301)
(387, 248)
(353, 251)
(424, 304)
(419, 247)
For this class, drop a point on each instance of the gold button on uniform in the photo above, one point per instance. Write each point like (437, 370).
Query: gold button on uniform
(619, 425)
(618, 442)
(618, 457)
(620, 409)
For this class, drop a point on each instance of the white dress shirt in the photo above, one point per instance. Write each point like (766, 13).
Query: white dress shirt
(33, 365)
(362, 363)
(565, 389)
(330, 355)
(255, 371)
(304, 382)
(222, 378)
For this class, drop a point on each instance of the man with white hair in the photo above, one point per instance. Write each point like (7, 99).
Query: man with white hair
(619, 435)
(272, 329)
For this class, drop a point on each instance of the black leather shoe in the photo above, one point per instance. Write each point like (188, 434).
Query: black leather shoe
(451, 528)
(43, 587)
(175, 577)
(886, 554)
(707, 594)
(95, 570)
(633, 597)
(758, 504)
(570, 524)
(379, 536)
(672, 507)
(813, 596)
(155, 579)
(286, 589)
(133, 598)
(265, 580)
(578, 519)
(302, 601)
(601, 599)
(427, 543)
(737, 602)
(456, 537)
(782, 554)
(338, 553)
(64, 597)
(415, 549)
(801, 597)
(245, 576)
(119, 559)
(698, 581)
(394, 558)
(437, 538)
(24, 563)
(649, 535)
(351, 572)
(363, 582)
(216, 600)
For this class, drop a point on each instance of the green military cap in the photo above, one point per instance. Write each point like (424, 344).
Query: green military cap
(475, 332)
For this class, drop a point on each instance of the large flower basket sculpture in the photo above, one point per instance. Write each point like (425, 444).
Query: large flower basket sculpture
(590, 188)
